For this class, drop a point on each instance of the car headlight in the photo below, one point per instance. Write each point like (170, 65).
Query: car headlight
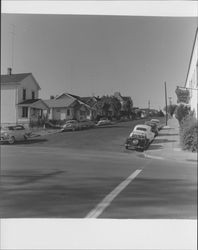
(135, 141)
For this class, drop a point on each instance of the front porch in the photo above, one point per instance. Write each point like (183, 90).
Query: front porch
(32, 113)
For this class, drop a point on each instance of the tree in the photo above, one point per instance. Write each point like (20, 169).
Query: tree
(181, 112)
(127, 107)
(108, 106)
(171, 109)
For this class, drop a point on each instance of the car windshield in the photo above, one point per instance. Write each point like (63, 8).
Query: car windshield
(140, 128)
(9, 128)
(156, 121)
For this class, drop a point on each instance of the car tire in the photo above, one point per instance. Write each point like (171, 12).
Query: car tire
(11, 140)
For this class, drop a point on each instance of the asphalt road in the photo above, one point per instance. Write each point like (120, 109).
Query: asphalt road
(89, 174)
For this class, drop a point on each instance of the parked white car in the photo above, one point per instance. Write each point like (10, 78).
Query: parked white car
(143, 129)
(11, 134)
(71, 125)
(104, 122)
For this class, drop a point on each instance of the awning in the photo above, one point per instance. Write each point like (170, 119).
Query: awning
(34, 103)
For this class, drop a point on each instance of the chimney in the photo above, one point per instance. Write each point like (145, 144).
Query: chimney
(9, 71)
(51, 97)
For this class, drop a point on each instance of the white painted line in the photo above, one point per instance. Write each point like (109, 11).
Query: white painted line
(154, 157)
(98, 210)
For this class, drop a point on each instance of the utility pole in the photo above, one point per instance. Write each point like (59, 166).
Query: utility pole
(12, 40)
(148, 107)
(166, 103)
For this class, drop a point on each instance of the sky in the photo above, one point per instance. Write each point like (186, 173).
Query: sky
(97, 55)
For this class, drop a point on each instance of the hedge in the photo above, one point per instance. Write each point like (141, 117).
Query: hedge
(189, 133)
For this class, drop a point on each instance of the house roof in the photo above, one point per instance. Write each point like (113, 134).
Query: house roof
(58, 103)
(29, 101)
(75, 97)
(16, 78)
(34, 103)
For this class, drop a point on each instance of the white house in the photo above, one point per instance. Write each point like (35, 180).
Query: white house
(192, 76)
(67, 106)
(19, 99)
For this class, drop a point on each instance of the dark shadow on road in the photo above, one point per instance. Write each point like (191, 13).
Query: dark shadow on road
(167, 134)
(154, 147)
(191, 160)
(27, 179)
(31, 141)
(167, 128)
(156, 141)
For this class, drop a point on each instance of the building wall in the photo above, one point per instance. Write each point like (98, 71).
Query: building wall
(191, 81)
(60, 114)
(28, 84)
(8, 104)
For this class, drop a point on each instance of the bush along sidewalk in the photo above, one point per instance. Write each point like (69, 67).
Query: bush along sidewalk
(188, 128)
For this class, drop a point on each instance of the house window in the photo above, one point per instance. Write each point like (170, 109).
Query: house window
(24, 94)
(82, 112)
(33, 95)
(25, 112)
(68, 112)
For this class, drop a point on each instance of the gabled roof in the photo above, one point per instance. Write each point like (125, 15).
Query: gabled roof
(74, 97)
(29, 101)
(34, 103)
(58, 103)
(13, 78)
(16, 78)
(91, 101)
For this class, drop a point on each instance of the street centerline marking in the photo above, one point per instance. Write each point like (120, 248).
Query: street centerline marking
(99, 209)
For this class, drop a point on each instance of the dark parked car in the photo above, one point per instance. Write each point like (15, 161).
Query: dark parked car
(137, 142)
(154, 127)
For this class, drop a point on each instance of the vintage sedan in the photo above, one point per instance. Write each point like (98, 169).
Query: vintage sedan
(11, 134)
(143, 129)
(103, 122)
(153, 126)
(71, 125)
(87, 124)
(157, 122)
(137, 141)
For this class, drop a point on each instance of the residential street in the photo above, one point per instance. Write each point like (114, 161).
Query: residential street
(89, 173)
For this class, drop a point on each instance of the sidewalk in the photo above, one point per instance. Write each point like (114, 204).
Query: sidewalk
(167, 145)
(44, 132)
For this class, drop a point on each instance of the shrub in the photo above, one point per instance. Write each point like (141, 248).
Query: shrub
(189, 133)
(181, 112)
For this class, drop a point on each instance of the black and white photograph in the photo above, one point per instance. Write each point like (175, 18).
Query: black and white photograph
(99, 124)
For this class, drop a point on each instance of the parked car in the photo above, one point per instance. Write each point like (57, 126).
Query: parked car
(153, 126)
(71, 125)
(137, 141)
(104, 122)
(11, 134)
(157, 122)
(87, 124)
(143, 129)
